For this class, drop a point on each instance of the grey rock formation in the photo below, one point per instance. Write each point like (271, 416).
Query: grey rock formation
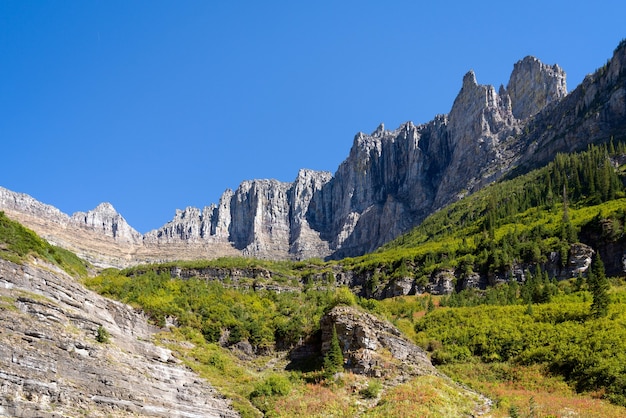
(262, 218)
(373, 347)
(52, 366)
(526, 98)
(105, 219)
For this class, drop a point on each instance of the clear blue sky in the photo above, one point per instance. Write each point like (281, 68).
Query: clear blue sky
(159, 105)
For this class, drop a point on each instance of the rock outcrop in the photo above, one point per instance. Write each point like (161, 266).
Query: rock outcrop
(390, 181)
(526, 98)
(373, 347)
(51, 364)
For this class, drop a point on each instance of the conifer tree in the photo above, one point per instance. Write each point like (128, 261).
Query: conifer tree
(599, 287)
(431, 305)
(333, 361)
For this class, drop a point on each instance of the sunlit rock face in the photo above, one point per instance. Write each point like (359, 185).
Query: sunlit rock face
(372, 347)
(52, 365)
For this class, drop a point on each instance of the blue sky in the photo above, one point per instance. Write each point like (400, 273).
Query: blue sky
(158, 105)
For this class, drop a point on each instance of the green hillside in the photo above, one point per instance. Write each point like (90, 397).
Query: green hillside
(519, 221)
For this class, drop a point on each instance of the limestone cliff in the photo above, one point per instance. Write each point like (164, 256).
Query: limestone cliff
(526, 99)
(263, 218)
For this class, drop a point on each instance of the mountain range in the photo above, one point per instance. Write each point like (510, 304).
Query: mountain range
(390, 181)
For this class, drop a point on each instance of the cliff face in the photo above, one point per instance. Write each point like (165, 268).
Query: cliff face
(390, 181)
(264, 218)
(51, 364)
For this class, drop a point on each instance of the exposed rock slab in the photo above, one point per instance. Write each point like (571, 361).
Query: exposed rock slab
(52, 366)
(373, 347)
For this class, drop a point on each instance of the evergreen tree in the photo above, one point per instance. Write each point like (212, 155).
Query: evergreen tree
(599, 287)
(333, 361)
(431, 305)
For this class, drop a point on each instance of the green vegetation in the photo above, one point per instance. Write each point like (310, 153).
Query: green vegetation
(372, 390)
(102, 335)
(263, 318)
(564, 336)
(333, 360)
(17, 243)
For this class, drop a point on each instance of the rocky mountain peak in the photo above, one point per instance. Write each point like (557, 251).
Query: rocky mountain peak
(469, 80)
(106, 219)
(380, 130)
(533, 85)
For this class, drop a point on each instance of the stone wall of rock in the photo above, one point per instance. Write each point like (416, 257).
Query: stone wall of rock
(526, 98)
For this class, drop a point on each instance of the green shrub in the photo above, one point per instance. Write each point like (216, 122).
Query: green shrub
(372, 390)
(102, 335)
(343, 296)
(273, 385)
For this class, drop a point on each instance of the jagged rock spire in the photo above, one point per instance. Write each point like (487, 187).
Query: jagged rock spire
(533, 85)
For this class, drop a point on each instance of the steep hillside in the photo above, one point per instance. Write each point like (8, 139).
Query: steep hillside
(66, 351)
(553, 219)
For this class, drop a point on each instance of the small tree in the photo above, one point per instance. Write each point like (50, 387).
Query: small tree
(430, 304)
(333, 361)
(599, 287)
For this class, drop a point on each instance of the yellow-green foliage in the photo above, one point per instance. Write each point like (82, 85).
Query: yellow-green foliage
(561, 335)
(261, 317)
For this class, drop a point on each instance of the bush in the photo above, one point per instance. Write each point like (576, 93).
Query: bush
(372, 390)
(343, 296)
(273, 385)
(102, 335)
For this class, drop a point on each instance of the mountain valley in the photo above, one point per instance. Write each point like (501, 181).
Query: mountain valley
(473, 265)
